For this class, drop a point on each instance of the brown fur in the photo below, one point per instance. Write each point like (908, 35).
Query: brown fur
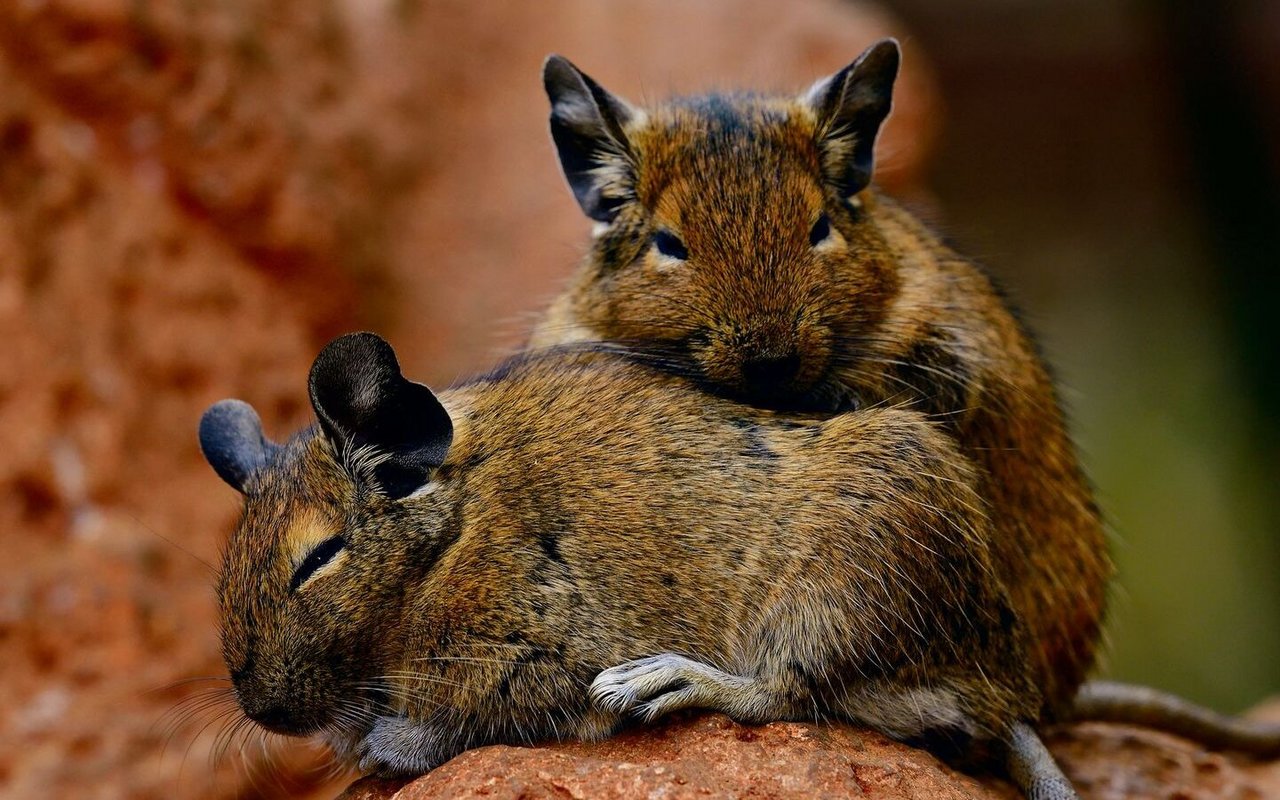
(592, 511)
(881, 313)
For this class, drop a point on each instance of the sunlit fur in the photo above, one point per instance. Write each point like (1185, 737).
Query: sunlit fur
(753, 286)
(881, 313)
(593, 511)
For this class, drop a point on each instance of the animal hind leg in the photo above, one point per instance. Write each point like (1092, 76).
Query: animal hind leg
(651, 687)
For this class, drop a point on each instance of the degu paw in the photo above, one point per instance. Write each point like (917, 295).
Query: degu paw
(399, 747)
(651, 687)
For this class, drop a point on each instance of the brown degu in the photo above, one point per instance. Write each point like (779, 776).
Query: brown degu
(577, 539)
(738, 242)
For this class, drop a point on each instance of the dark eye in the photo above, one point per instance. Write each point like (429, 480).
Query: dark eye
(317, 558)
(669, 245)
(820, 230)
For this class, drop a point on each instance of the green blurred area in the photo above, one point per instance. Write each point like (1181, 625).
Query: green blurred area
(1165, 426)
(1118, 166)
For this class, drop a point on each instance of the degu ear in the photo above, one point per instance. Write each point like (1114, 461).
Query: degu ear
(233, 443)
(385, 428)
(850, 107)
(587, 127)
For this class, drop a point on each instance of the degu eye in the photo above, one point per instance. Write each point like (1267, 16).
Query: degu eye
(820, 230)
(322, 554)
(670, 245)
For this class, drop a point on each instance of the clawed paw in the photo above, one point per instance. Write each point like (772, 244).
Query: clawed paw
(650, 687)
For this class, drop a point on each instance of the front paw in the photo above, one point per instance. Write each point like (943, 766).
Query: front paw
(398, 747)
(649, 688)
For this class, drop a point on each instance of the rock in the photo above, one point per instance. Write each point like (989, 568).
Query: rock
(122, 319)
(1111, 762)
(706, 756)
(712, 756)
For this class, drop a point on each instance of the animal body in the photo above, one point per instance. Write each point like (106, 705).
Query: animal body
(576, 539)
(738, 242)
(777, 452)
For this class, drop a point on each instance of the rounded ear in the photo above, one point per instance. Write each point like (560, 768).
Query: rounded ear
(386, 429)
(587, 128)
(851, 105)
(233, 443)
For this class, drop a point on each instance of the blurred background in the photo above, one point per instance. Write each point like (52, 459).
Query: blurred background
(196, 195)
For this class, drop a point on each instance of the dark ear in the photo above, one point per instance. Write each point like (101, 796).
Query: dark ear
(850, 106)
(233, 443)
(586, 125)
(372, 414)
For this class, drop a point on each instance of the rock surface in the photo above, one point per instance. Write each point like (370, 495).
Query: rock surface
(711, 756)
(708, 756)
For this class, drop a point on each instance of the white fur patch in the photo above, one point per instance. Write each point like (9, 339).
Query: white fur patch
(423, 490)
(904, 713)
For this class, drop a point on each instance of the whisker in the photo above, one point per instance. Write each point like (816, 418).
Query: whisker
(212, 570)
(186, 681)
(467, 659)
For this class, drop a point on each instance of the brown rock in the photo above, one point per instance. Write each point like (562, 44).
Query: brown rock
(706, 756)
(1111, 762)
(124, 312)
(251, 116)
(711, 756)
(122, 319)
